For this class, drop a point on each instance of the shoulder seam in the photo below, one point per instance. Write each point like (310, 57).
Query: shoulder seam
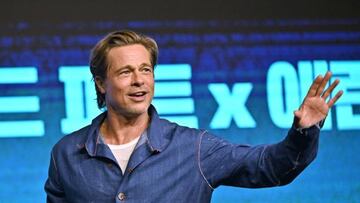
(198, 160)
(53, 160)
(56, 169)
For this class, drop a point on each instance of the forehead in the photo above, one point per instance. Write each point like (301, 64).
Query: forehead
(134, 54)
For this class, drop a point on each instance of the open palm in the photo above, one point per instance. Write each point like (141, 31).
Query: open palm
(315, 107)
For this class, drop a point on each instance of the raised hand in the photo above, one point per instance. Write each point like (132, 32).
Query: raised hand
(315, 107)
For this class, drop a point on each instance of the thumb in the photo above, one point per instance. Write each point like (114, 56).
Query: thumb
(297, 114)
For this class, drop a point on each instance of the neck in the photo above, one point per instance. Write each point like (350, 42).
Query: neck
(118, 129)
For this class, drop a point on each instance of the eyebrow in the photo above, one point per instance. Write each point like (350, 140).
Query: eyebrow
(131, 67)
(145, 64)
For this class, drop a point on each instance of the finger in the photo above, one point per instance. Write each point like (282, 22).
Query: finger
(297, 118)
(314, 86)
(330, 89)
(325, 80)
(334, 99)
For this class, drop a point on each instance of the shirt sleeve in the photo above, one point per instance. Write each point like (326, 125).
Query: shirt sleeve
(224, 163)
(53, 188)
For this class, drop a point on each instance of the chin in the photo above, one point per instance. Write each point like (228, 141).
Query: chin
(129, 110)
(138, 109)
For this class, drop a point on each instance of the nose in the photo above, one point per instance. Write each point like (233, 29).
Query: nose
(137, 79)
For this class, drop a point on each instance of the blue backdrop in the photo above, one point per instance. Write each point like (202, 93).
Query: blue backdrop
(241, 80)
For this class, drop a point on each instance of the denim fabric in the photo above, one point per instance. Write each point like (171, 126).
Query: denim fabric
(171, 163)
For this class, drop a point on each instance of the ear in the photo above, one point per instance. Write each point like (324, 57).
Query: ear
(100, 83)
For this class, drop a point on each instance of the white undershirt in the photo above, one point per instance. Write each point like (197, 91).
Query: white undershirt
(123, 152)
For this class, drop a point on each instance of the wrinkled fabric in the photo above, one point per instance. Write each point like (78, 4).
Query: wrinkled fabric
(170, 163)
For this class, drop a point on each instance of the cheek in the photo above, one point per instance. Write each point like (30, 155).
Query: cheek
(150, 82)
(117, 88)
(152, 89)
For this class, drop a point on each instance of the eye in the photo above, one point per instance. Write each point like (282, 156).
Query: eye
(147, 69)
(124, 72)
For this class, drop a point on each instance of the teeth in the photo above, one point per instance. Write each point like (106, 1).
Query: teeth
(139, 94)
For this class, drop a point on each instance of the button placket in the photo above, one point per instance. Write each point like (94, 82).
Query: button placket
(130, 170)
(121, 196)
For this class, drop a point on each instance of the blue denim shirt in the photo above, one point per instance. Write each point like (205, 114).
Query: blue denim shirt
(171, 163)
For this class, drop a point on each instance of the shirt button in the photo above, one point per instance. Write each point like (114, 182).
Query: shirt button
(130, 170)
(121, 196)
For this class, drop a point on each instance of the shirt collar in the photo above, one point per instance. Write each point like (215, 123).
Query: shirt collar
(93, 138)
(155, 132)
(155, 137)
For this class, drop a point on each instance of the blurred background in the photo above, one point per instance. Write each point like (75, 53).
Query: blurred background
(235, 68)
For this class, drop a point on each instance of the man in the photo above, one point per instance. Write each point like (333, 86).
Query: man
(129, 154)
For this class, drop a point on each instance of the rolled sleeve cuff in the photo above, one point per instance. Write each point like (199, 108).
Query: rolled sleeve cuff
(300, 139)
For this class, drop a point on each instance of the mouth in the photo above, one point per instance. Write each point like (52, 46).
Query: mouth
(137, 96)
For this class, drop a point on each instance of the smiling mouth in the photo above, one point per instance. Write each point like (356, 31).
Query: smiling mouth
(138, 94)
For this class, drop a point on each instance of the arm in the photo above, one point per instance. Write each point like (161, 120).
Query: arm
(223, 163)
(53, 187)
(270, 165)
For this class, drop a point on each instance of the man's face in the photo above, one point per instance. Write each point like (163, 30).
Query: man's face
(129, 83)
